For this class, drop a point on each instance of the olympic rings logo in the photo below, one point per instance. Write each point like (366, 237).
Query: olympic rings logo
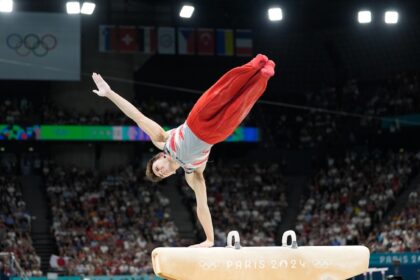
(208, 265)
(31, 43)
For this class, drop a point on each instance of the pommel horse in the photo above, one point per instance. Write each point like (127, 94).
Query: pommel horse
(286, 262)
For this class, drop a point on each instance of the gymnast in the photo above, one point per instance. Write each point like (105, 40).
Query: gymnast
(214, 117)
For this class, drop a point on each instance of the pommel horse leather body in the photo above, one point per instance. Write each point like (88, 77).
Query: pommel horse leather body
(261, 263)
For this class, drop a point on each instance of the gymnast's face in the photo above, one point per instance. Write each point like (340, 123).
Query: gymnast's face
(163, 167)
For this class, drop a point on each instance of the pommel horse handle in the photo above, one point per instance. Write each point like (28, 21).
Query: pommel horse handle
(292, 235)
(233, 236)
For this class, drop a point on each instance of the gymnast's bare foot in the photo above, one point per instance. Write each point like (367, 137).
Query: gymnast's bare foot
(268, 69)
(205, 244)
(259, 61)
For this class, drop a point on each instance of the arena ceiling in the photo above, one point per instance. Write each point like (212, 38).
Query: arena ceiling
(302, 14)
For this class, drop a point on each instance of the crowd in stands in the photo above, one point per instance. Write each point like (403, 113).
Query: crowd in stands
(107, 225)
(16, 111)
(249, 198)
(328, 115)
(351, 194)
(15, 229)
(94, 214)
(401, 232)
(399, 95)
(22, 111)
(331, 115)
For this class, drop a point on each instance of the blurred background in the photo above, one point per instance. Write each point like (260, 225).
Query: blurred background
(332, 149)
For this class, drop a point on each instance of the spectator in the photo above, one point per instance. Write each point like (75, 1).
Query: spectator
(15, 226)
(107, 225)
(248, 198)
(349, 195)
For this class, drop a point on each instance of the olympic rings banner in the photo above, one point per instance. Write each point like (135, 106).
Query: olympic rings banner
(99, 133)
(39, 46)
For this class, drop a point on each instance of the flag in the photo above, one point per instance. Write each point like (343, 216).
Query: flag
(224, 41)
(108, 40)
(147, 39)
(127, 39)
(186, 40)
(166, 40)
(40, 46)
(243, 42)
(58, 262)
(205, 37)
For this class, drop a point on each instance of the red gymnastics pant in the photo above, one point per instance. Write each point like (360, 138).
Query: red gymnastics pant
(222, 108)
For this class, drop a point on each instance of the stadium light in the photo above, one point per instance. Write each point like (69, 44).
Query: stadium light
(364, 17)
(186, 11)
(391, 17)
(73, 7)
(6, 6)
(275, 14)
(88, 8)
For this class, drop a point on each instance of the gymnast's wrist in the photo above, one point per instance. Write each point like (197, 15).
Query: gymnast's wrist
(109, 93)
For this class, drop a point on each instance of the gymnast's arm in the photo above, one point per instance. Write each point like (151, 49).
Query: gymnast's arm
(197, 183)
(154, 130)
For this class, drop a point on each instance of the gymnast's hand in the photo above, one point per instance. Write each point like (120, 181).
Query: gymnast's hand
(103, 88)
(205, 244)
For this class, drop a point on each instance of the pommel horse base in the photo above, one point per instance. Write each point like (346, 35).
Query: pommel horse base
(286, 262)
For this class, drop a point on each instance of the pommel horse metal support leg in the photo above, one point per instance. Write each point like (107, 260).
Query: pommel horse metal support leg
(287, 262)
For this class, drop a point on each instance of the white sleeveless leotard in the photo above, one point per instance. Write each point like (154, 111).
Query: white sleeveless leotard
(186, 148)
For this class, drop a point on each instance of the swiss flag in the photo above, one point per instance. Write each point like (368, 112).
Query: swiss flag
(127, 39)
(205, 38)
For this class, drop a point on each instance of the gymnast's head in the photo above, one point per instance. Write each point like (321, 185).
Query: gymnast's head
(159, 167)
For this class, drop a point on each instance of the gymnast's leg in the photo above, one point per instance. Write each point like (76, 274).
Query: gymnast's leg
(221, 109)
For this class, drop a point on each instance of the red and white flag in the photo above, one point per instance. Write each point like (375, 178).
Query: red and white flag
(243, 42)
(205, 37)
(127, 39)
(58, 262)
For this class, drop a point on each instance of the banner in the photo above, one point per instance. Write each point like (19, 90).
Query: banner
(127, 277)
(93, 277)
(401, 121)
(244, 134)
(127, 39)
(205, 37)
(39, 46)
(108, 40)
(186, 40)
(16, 132)
(385, 259)
(243, 42)
(224, 42)
(100, 133)
(147, 39)
(166, 40)
(58, 262)
(408, 264)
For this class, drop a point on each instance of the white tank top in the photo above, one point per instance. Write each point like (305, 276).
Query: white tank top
(186, 148)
